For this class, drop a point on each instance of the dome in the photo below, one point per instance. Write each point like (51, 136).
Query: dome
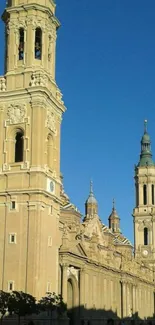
(145, 138)
(91, 198)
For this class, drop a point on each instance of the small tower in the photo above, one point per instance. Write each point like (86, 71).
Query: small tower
(114, 220)
(91, 206)
(144, 212)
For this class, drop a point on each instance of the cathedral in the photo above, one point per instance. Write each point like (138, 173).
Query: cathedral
(45, 245)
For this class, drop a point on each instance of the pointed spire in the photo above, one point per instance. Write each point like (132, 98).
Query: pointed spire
(91, 205)
(145, 126)
(146, 154)
(114, 220)
(91, 186)
(113, 202)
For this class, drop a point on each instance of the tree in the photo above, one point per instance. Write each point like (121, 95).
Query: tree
(52, 302)
(4, 298)
(21, 304)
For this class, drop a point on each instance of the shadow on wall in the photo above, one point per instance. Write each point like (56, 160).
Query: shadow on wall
(83, 316)
(80, 316)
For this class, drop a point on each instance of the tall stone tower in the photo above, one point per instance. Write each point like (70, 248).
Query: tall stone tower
(144, 212)
(31, 109)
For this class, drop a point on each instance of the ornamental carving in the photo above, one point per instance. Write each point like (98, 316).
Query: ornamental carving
(143, 224)
(38, 79)
(73, 272)
(16, 113)
(50, 122)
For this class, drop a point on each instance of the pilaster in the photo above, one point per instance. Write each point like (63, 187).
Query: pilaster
(64, 282)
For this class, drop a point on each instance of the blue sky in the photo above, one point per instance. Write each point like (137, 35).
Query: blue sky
(106, 71)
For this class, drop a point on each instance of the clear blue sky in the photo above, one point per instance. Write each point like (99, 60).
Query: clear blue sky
(106, 71)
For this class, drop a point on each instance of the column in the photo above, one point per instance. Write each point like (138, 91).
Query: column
(133, 299)
(64, 282)
(124, 299)
(82, 287)
(136, 299)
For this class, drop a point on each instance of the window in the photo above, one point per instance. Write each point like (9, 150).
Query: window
(152, 194)
(12, 238)
(146, 236)
(19, 146)
(38, 44)
(13, 205)
(21, 44)
(145, 195)
(113, 227)
(49, 241)
(10, 286)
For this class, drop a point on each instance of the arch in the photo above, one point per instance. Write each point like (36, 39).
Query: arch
(19, 146)
(38, 43)
(145, 194)
(70, 294)
(21, 44)
(72, 299)
(146, 236)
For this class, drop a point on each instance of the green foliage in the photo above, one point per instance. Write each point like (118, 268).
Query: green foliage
(21, 304)
(52, 302)
(4, 298)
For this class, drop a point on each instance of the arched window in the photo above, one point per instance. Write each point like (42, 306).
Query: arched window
(145, 195)
(38, 43)
(153, 194)
(19, 146)
(146, 236)
(21, 44)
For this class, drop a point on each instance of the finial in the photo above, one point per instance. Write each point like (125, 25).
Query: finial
(113, 204)
(145, 126)
(91, 187)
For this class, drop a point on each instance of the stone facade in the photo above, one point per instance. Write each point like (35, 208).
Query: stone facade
(44, 245)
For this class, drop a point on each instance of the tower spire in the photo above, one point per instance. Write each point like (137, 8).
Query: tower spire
(91, 205)
(146, 154)
(91, 186)
(114, 220)
(113, 202)
(145, 126)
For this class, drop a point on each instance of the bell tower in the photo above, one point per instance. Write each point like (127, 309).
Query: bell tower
(144, 212)
(31, 109)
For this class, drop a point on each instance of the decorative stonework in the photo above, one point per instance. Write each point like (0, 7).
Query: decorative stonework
(16, 113)
(71, 271)
(50, 122)
(143, 224)
(6, 167)
(59, 96)
(38, 79)
(2, 84)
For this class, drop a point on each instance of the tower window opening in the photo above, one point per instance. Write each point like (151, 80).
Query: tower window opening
(153, 194)
(145, 195)
(19, 147)
(146, 236)
(38, 43)
(13, 205)
(113, 227)
(21, 44)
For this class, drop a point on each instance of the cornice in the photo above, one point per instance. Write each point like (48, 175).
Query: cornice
(34, 6)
